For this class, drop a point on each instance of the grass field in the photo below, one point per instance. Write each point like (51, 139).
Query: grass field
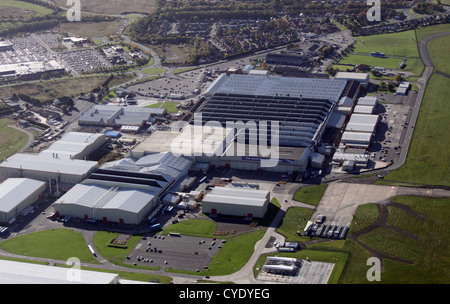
(48, 90)
(429, 250)
(402, 44)
(59, 244)
(389, 63)
(310, 195)
(11, 140)
(116, 7)
(19, 8)
(428, 159)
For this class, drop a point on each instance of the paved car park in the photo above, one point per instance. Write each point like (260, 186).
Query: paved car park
(178, 252)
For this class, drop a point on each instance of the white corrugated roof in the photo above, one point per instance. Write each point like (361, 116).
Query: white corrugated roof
(356, 136)
(353, 76)
(44, 163)
(105, 197)
(363, 109)
(236, 196)
(13, 191)
(367, 101)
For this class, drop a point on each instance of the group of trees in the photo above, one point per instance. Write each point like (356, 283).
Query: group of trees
(428, 8)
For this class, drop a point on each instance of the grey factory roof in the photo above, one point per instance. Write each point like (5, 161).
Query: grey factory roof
(106, 197)
(236, 196)
(74, 143)
(299, 119)
(166, 164)
(362, 123)
(44, 163)
(116, 115)
(13, 191)
(278, 86)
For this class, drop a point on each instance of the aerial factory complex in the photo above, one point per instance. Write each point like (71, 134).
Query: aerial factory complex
(269, 145)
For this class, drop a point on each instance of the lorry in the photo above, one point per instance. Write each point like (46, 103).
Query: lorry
(155, 227)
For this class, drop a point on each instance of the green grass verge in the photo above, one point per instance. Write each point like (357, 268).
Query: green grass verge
(182, 70)
(310, 195)
(153, 71)
(205, 228)
(58, 244)
(295, 220)
(170, 106)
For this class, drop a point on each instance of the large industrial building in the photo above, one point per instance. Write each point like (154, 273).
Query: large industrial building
(45, 167)
(122, 203)
(76, 145)
(124, 191)
(291, 113)
(362, 78)
(30, 70)
(16, 194)
(306, 88)
(236, 202)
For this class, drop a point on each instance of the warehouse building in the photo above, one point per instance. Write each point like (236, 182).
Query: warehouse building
(285, 59)
(30, 70)
(236, 202)
(76, 145)
(16, 194)
(121, 203)
(357, 140)
(367, 101)
(43, 167)
(363, 123)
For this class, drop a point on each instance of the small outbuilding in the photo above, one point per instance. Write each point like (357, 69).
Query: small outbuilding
(236, 202)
